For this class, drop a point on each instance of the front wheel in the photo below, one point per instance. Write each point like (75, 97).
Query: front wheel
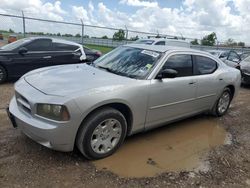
(3, 74)
(223, 103)
(102, 133)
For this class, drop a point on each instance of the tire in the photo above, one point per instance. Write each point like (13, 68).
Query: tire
(3, 74)
(102, 133)
(220, 109)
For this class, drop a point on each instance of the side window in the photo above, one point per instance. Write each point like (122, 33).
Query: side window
(233, 56)
(64, 47)
(39, 45)
(204, 65)
(181, 63)
(160, 43)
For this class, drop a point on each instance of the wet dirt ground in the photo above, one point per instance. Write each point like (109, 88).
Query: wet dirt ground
(199, 152)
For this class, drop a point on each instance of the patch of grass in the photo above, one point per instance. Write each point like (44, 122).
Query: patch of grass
(103, 49)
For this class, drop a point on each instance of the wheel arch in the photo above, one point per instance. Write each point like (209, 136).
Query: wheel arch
(6, 70)
(232, 89)
(120, 106)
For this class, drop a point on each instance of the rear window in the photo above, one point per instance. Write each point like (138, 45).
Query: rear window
(64, 47)
(161, 43)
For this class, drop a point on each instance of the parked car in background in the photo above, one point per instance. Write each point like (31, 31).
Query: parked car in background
(27, 54)
(12, 38)
(245, 70)
(164, 42)
(129, 90)
(91, 54)
(233, 59)
(244, 55)
(218, 53)
(1, 36)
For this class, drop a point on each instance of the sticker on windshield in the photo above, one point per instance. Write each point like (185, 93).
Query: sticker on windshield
(151, 53)
(148, 66)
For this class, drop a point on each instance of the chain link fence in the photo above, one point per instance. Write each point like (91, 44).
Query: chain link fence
(27, 26)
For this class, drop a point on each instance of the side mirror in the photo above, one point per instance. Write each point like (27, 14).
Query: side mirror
(22, 50)
(167, 73)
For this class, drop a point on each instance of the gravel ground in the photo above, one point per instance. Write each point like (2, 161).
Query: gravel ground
(23, 163)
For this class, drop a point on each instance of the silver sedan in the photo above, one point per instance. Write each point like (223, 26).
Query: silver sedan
(132, 89)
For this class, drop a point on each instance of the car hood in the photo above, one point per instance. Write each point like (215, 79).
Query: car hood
(70, 79)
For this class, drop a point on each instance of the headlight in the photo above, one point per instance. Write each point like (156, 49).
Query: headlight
(53, 111)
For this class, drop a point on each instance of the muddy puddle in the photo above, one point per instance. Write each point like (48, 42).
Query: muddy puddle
(176, 147)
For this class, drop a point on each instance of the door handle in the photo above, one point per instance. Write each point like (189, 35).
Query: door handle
(191, 83)
(221, 79)
(47, 57)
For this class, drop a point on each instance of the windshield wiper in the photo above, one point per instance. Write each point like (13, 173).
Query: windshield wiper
(106, 68)
(117, 72)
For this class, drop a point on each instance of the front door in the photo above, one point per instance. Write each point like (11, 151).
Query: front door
(171, 98)
(38, 56)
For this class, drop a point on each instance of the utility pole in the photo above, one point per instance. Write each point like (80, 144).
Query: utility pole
(82, 30)
(23, 25)
(126, 33)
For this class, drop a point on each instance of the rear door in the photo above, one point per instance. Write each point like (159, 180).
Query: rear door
(208, 81)
(64, 53)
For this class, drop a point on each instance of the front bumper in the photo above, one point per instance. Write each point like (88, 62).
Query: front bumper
(43, 133)
(52, 134)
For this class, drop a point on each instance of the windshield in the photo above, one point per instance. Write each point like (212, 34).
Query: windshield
(129, 62)
(247, 60)
(244, 56)
(14, 45)
(144, 42)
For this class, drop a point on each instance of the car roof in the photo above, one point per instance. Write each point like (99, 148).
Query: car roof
(163, 39)
(163, 48)
(55, 40)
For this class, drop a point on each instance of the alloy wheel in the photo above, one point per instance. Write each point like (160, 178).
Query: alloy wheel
(106, 136)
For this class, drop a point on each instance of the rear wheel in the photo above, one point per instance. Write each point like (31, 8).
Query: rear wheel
(223, 103)
(3, 74)
(102, 133)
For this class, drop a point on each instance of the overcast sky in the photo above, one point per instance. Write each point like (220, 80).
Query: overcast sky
(190, 18)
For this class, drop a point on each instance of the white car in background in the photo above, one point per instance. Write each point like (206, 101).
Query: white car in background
(164, 42)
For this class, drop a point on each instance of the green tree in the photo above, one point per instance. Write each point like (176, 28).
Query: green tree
(78, 35)
(231, 42)
(119, 35)
(209, 40)
(11, 31)
(242, 44)
(58, 34)
(105, 37)
(195, 42)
